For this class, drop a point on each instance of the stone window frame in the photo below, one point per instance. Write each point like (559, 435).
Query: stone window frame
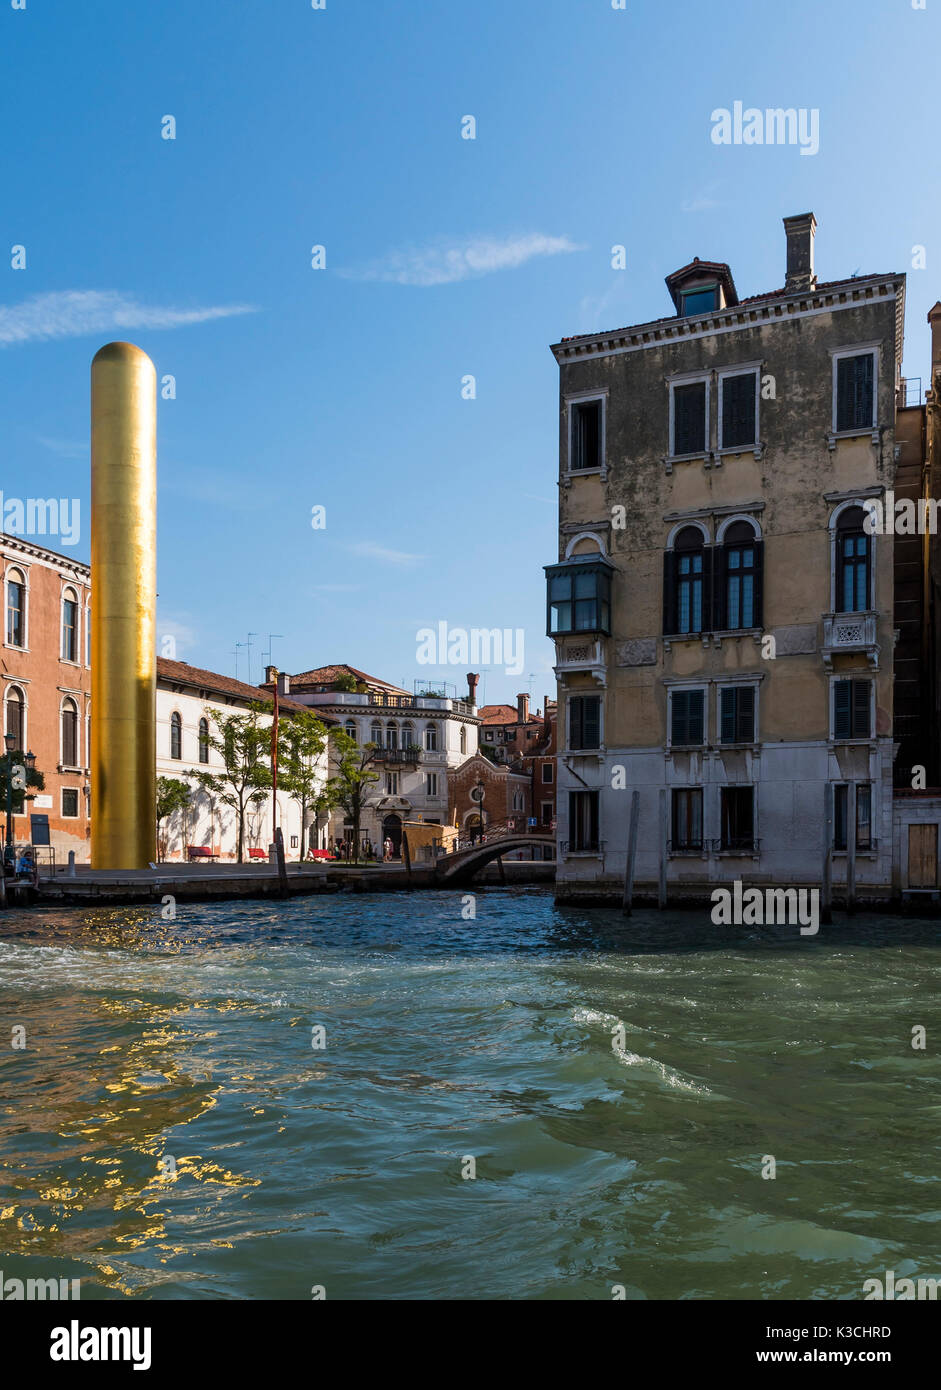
(571, 398)
(846, 504)
(16, 684)
(740, 369)
(852, 674)
(855, 350)
(22, 570)
(70, 589)
(693, 683)
(690, 379)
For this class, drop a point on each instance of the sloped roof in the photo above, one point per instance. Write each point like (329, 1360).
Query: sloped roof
(180, 673)
(326, 675)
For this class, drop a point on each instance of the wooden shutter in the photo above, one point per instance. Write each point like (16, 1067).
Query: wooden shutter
(842, 722)
(720, 589)
(745, 722)
(727, 733)
(861, 708)
(669, 593)
(591, 721)
(575, 722)
(758, 615)
(708, 588)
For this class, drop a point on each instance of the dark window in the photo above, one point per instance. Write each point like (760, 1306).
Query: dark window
(687, 818)
(204, 740)
(739, 394)
(737, 714)
(69, 629)
(547, 772)
(738, 818)
(854, 392)
(686, 723)
(547, 813)
(686, 581)
(585, 721)
(579, 600)
(16, 612)
(854, 556)
(689, 418)
(738, 583)
(701, 301)
(863, 815)
(69, 801)
(176, 736)
(851, 709)
(16, 712)
(586, 435)
(583, 820)
(70, 734)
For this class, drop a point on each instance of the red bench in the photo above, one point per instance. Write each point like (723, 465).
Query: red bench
(194, 852)
(257, 853)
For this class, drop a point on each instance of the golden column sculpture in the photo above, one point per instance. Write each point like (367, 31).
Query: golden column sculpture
(123, 607)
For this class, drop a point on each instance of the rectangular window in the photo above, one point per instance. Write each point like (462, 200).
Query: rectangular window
(547, 772)
(547, 813)
(585, 721)
(392, 784)
(585, 450)
(69, 629)
(738, 818)
(583, 820)
(16, 609)
(738, 419)
(863, 815)
(855, 388)
(69, 802)
(431, 783)
(701, 301)
(687, 818)
(851, 709)
(689, 418)
(686, 716)
(737, 714)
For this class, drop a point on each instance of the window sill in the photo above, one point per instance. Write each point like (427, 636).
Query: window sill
(14, 647)
(747, 746)
(565, 479)
(585, 752)
(703, 456)
(873, 431)
(756, 447)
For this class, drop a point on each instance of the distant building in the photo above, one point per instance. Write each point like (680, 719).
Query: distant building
(419, 738)
(188, 698)
(46, 690)
(526, 742)
(496, 794)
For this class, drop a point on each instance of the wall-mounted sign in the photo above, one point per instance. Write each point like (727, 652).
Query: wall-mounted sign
(43, 803)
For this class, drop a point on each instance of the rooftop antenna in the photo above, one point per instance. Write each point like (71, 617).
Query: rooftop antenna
(268, 652)
(236, 655)
(248, 644)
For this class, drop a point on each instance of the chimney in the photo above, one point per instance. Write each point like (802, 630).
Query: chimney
(284, 683)
(522, 709)
(800, 233)
(271, 675)
(472, 688)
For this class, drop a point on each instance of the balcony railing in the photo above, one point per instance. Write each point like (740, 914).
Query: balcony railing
(398, 755)
(734, 844)
(850, 632)
(580, 654)
(594, 847)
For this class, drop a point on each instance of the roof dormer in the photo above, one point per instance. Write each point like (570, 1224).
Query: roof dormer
(701, 287)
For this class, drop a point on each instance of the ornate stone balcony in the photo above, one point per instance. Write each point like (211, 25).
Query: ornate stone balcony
(850, 632)
(580, 655)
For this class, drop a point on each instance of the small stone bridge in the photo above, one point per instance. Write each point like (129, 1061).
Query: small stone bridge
(461, 866)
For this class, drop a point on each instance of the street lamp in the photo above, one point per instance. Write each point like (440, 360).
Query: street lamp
(9, 739)
(480, 806)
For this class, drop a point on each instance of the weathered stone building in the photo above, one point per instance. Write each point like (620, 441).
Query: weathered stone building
(724, 619)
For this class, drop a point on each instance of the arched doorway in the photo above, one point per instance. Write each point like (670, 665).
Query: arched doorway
(392, 830)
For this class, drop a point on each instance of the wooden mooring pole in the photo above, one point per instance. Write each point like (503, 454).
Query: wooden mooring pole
(627, 903)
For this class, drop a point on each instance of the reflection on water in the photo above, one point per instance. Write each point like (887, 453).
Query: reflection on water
(169, 1131)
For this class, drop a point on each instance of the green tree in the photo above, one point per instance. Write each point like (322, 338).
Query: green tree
(21, 794)
(301, 741)
(353, 779)
(243, 744)
(345, 681)
(172, 796)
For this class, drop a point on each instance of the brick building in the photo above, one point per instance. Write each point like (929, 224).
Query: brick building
(46, 688)
(502, 794)
(526, 742)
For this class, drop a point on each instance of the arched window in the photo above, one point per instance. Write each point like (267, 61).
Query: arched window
(375, 733)
(350, 728)
(69, 625)
(853, 562)
(392, 735)
(16, 717)
(203, 739)
(16, 608)
(685, 574)
(431, 738)
(408, 736)
(463, 738)
(738, 579)
(69, 733)
(176, 735)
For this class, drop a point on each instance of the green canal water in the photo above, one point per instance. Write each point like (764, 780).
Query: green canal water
(170, 1132)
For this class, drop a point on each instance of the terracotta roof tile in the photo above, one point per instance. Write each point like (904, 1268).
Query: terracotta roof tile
(181, 673)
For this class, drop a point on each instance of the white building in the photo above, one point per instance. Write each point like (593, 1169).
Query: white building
(186, 696)
(419, 736)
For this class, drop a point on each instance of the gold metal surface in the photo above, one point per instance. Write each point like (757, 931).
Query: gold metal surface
(123, 607)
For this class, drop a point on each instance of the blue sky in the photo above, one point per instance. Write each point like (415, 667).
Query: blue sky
(445, 257)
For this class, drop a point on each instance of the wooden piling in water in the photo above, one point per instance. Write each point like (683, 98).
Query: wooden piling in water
(826, 892)
(662, 885)
(627, 902)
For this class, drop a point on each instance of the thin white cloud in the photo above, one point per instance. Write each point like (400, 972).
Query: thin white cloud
(65, 448)
(367, 550)
(445, 263)
(78, 313)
